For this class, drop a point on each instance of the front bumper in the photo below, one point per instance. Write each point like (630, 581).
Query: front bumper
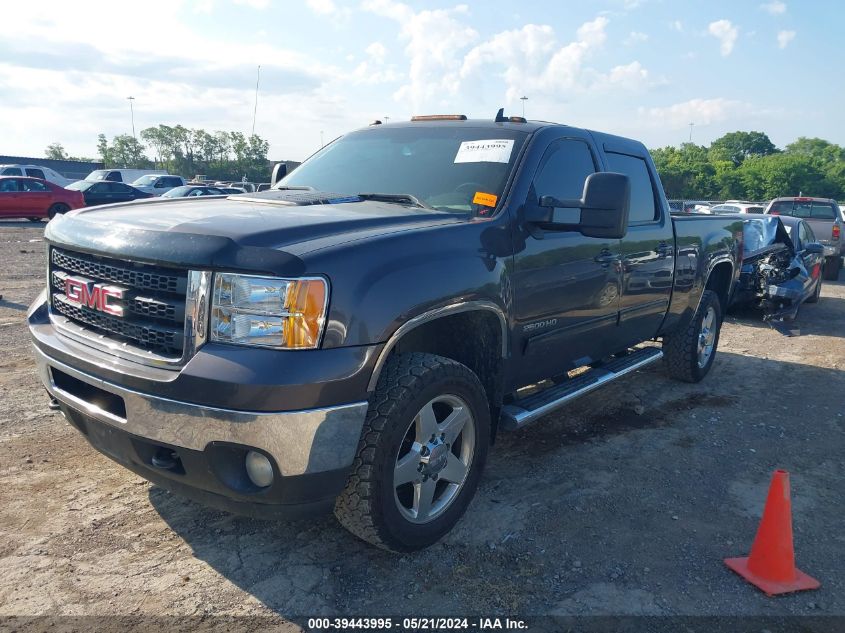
(311, 449)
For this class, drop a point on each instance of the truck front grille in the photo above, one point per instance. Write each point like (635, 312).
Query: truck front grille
(152, 302)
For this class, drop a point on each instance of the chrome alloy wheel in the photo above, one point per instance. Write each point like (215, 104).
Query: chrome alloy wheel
(707, 337)
(433, 460)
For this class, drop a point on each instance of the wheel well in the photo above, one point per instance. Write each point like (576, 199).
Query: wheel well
(471, 338)
(719, 282)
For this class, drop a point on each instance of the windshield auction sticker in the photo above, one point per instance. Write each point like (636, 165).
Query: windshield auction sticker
(486, 151)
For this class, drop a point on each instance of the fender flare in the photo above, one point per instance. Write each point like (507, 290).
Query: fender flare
(431, 315)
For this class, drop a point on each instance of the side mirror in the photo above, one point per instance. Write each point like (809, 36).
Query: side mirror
(280, 170)
(814, 248)
(604, 204)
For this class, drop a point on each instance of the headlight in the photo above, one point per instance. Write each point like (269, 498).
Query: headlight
(268, 311)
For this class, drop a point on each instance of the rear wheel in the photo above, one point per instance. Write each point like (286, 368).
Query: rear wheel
(57, 208)
(689, 353)
(421, 453)
(831, 268)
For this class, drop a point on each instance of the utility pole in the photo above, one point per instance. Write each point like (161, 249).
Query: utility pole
(523, 99)
(690, 131)
(255, 108)
(132, 114)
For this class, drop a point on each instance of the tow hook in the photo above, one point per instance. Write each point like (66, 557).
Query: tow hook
(165, 459)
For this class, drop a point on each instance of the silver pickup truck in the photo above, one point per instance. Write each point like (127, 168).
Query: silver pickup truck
(823, 216)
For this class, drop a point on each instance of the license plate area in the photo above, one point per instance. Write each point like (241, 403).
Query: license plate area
(90, 397)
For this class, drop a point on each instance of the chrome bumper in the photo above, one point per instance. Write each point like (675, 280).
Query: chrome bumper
(301, 442)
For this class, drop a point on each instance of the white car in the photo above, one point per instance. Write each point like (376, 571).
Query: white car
(35, 171)
(122, 175)
(158, 184)
(734, 206)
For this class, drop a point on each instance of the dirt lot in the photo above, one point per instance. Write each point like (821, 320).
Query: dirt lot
(624, 503)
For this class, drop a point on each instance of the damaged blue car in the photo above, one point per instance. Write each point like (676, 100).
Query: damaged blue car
(781, 266)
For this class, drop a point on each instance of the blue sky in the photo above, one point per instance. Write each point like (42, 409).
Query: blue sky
(641, 68)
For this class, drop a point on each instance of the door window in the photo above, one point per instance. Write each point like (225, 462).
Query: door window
(12, 171)
(9, 184)
(563, 170)
(33, 185)
(35, 173)
(643, 208)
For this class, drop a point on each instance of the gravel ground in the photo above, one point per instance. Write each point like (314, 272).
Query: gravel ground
(624, 503)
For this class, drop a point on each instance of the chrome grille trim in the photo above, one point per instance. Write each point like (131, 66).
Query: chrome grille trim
(162, 318)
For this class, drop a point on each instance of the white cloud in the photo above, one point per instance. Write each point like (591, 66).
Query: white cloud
(435, 41)
(775, 7)
(376, 51)
(726, 33)
(373, 70)
(323, 7)
(784, 38)
(677, 25)
(636, 37)
(255, 4)
(698, 111)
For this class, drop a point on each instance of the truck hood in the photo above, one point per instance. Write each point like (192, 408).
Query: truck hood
(262, 231)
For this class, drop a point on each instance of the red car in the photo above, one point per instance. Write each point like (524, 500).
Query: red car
(34, 198)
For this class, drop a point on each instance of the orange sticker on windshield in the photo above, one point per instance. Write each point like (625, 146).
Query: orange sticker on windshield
(486, 199)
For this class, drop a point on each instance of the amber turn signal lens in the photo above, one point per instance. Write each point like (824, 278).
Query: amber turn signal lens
(306, 306)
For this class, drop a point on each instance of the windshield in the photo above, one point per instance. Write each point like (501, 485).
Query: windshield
(100, 174)
(145, 181)
(447, 168)
(177, 192)
(80, 185)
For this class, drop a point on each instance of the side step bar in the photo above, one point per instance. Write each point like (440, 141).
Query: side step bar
(526, 410)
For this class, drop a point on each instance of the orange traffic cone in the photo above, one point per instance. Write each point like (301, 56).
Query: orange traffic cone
(771, 565)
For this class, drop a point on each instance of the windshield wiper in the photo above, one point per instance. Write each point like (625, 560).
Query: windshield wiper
(293, 188)
(399, 198)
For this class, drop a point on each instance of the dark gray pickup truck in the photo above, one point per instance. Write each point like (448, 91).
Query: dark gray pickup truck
(354, 338)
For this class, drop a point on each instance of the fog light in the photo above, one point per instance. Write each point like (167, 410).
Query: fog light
(259, 469)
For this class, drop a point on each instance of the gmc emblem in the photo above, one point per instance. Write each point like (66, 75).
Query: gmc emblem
(88, 294)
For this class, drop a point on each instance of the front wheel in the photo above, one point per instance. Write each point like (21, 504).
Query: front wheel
(688, 353)
(57, 209)
(421, 453)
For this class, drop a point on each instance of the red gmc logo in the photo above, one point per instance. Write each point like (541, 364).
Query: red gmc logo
(100, 297)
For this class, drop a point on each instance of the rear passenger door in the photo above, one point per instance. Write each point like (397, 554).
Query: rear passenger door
(36, 197)
(648, 251)
(10, 203)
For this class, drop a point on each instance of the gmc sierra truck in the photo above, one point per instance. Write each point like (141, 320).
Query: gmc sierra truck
(354, 337)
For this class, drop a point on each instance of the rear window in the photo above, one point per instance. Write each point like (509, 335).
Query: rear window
(804, 209)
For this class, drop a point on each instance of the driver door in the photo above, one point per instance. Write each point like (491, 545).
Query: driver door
(566, 285)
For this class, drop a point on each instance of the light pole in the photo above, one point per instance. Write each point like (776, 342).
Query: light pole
(690, 131)
(386, 118)
(132, 114)
(523, 99)
(321, 139)
(255, 108)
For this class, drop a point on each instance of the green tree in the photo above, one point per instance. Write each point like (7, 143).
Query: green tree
(737, 146)
(56, 151)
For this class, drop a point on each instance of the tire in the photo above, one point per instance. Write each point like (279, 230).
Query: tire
(682, 354)
(56, 209)
(34, 219)
(814, 298)
(371, 506)
(831, 269)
